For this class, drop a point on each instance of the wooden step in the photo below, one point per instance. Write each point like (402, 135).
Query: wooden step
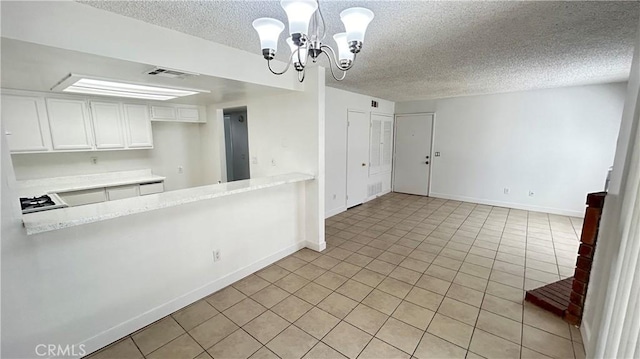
(553, 297)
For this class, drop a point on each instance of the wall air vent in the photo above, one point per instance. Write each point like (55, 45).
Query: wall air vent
(171, 73)
(374, 188)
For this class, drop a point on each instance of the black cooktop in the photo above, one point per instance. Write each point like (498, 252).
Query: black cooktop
(36, 202)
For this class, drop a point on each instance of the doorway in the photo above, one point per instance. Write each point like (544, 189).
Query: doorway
(412, 161)
(236, 136)
(357, 157)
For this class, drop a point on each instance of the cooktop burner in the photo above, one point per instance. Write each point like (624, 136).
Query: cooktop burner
(32, 203)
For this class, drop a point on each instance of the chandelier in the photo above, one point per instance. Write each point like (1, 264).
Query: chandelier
(307, 32)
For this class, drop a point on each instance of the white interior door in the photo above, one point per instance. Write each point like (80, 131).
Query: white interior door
(412, 159)
(357, 157)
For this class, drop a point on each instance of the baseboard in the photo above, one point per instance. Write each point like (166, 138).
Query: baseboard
(112, 334)
(333, 212)
(318, 247)
(562, 212)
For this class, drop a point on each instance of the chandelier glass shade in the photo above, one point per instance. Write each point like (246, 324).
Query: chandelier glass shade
(307, 32)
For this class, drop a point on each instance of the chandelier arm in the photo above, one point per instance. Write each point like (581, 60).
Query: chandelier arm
(333, 53)
(301, 75)
(344, 73)
(283, 71)
(299, 59)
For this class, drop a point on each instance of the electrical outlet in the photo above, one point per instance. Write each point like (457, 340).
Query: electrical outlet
(531, 193)
(334, 196)
(254, 160)
(437, 154)
(273, 162)
(216, 255)
(506, 190)
(94, 160)
(180, 169)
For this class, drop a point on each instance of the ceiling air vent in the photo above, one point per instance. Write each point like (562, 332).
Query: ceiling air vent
(171, 73)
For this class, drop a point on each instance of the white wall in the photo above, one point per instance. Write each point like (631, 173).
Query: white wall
(286, 134)
(558, 143)
(338, 102)
(175, 144)
(605, 312)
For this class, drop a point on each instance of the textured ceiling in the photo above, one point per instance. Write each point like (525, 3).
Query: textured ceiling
(421, 50)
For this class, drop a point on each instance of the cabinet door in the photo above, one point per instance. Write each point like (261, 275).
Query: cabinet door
(70, 127)
(25, 123)
(163, 113)
(151, 188)
(188, 114)
(107, 125)
(122, 192)
(138, 126)
(80, 198)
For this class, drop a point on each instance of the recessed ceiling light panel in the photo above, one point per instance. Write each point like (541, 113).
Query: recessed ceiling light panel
(106, 87)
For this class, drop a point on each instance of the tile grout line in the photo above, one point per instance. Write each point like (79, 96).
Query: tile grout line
(485, 292)
(397, 216)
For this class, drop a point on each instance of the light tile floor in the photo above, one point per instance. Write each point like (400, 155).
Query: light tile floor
(402, 277)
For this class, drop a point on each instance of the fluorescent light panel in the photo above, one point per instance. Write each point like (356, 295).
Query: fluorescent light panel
(120, 89)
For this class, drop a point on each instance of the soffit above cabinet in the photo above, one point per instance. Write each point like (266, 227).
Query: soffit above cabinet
(28, 66)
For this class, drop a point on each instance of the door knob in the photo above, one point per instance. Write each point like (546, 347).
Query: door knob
(427, 162)
(364, 164)
(427, 157)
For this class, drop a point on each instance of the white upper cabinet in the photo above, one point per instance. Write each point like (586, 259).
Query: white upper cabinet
(166, 113)
(188, 114)
(138, 126)
(178, 113)
(25, 123)
(47, 122)
(69, 122)
(107, 125)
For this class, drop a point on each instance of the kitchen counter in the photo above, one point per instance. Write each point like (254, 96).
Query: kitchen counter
(74, 216)
(38, 187)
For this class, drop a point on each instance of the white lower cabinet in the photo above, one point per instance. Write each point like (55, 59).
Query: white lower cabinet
(98, 195)
(122, 192)
(79, 198)
(69, 123)
(25, 123)
(151, 188)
